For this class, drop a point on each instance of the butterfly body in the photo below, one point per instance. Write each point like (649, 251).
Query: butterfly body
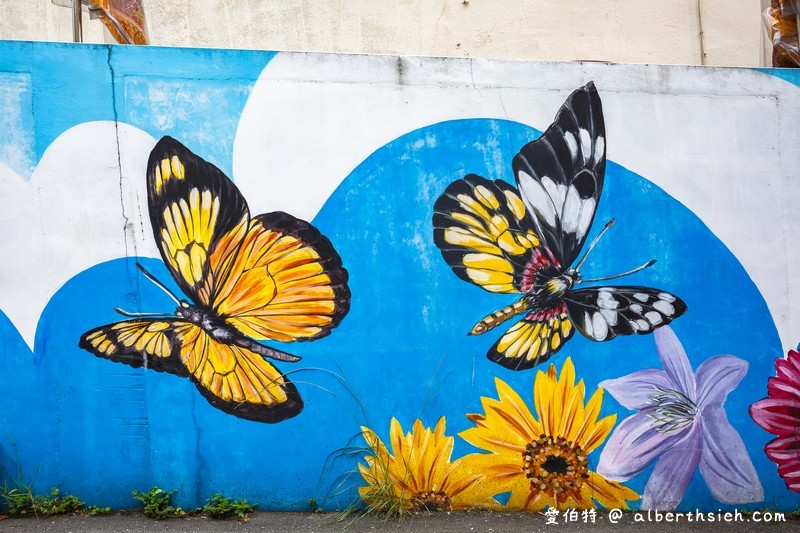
(220, 331)
(524, 240)
(546, 292)
(248, 279)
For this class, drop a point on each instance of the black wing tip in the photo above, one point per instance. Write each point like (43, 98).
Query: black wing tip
(166, 147)
(589, 89)
(167, 139)
(515, 364)
(518, 363)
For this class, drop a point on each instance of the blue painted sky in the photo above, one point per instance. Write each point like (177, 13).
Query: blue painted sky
(194, 95)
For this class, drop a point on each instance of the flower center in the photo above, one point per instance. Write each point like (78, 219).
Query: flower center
(555, 466)
(674, 410)
(431, 501)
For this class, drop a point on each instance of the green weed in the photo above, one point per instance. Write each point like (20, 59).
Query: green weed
(314, 506)
(219, 506)
(156, 503)
(94, 510)
(20, 501)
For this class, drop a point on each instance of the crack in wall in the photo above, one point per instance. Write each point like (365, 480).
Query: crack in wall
(128, 233)
(127, 226)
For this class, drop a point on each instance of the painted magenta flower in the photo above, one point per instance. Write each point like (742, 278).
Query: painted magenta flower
(418, 473)
(780, 414)
(681, 423)
(543, 460)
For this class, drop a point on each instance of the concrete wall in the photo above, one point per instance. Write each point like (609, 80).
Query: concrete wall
(699, 174)
(623, 31)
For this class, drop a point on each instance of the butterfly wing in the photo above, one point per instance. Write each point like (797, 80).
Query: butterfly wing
(237, 380)
(484, 234)
(602, 313)
(560, 175)
(195, 210)
(151, 343)
(233, 379)
(285, 282)
(533, 340)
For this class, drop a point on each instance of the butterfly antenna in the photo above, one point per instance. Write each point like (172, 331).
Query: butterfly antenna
(134, 315)
(594, 242)
(628, 273)
(158, 284)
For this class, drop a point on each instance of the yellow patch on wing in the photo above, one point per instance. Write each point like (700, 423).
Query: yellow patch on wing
(168, 168)
(132, 336)
(485, 229)
(188, 230)
(515, 204)
(230, 372)
(486, 197)
(490, 271)
(532, 341)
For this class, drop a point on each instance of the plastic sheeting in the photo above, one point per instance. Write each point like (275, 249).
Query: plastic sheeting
(781, 19)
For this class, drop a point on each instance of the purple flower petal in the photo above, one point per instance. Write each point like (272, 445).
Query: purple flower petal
(725, 463)
(674, 360)
(634, 390)
(672, 474)
(718, 376)
(634, 445)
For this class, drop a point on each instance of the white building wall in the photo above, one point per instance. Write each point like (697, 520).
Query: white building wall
(624, 31)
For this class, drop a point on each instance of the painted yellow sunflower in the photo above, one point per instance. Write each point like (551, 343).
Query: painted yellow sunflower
(544, 462)
(418, 473)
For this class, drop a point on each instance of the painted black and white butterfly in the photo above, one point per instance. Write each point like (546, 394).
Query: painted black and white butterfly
(524, 240)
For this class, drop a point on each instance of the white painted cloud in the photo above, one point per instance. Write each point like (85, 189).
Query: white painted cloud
(69, 216)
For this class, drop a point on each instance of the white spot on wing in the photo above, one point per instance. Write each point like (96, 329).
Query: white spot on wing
(587, 324)
(667, 297)
(642, 297)
(536, 198)
(586, 144)
(606, 301)
(556, 191)
(654, 318)
(572, 144)
(643, 325)
(572, 210)
(587, 213)
(600, 327)
(636, 308)
(666, 308)
(599, 149)
(610, 316)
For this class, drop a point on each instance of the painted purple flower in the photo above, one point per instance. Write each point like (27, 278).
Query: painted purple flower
(681, 424)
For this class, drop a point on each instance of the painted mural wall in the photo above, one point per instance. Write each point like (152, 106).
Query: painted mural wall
(462, 283)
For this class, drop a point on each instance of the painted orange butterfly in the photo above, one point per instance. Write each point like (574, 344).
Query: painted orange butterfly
(248, 279)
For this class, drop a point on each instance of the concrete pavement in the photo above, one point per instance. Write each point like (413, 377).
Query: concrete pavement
(436, 522)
